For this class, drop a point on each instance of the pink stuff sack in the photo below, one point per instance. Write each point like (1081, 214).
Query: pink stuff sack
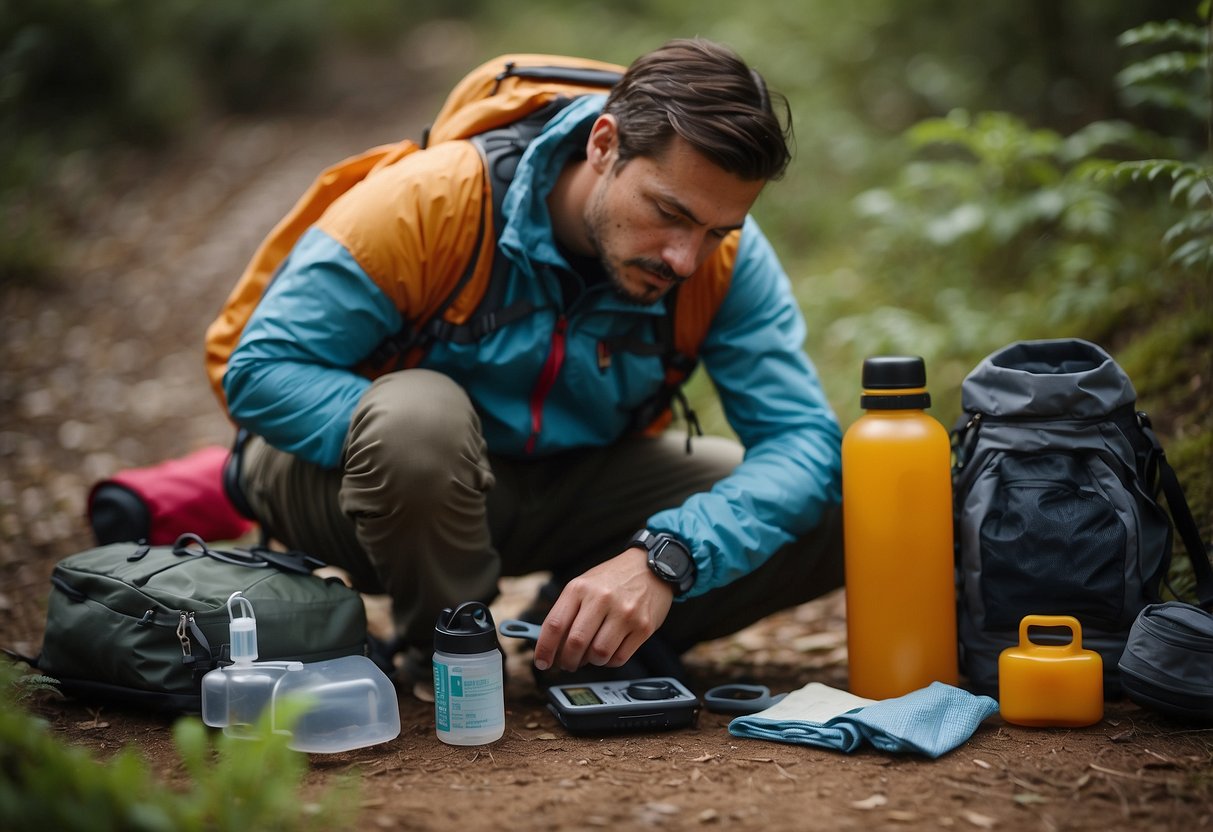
(159, 503)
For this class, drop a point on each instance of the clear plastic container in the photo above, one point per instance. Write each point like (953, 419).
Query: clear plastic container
(347, 702)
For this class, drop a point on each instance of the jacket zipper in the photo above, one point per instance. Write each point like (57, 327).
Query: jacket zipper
(547, 379)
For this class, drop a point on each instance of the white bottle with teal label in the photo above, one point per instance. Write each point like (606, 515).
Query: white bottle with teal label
(469, 680)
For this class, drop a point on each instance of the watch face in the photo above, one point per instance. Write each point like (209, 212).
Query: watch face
(668, 559)
(664, 568)
(671, 559)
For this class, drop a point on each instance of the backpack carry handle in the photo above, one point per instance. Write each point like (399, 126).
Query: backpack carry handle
(186, 543)
(259, 557)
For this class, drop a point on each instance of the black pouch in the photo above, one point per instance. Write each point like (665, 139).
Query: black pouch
(1168, 661)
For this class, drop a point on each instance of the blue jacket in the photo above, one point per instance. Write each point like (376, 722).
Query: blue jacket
(290, 378)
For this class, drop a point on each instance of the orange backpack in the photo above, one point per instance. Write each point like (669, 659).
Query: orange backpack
(500, 106)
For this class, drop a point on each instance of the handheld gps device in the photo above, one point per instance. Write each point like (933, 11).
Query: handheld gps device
(655, 704)
(652, 704)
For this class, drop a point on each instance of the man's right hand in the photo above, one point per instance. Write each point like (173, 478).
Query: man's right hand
(604, 615)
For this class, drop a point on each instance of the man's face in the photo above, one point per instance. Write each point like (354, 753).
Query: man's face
(654, 220)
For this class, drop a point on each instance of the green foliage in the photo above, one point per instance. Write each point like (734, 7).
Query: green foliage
(994, 231)
(32, 686)
(1177, 80)
(1174, 80)
(1190, 238)
(251, 55)
(991, 232)
(245, 785)
(1010, 182)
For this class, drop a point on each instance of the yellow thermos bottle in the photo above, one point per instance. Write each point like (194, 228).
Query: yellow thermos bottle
(897, 526)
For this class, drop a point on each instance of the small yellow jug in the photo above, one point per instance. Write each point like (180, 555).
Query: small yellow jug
(1050, 684)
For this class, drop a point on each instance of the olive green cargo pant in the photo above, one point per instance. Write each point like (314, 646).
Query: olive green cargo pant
(422, 512)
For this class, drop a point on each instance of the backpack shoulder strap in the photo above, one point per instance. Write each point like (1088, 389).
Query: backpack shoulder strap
(500, 107)
(500, 150)
(1160, 474)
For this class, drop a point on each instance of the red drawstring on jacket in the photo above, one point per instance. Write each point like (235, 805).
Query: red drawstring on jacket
(547, 379)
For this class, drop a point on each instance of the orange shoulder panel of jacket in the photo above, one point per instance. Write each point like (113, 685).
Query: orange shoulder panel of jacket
(700, 297)
(224, 332)
(484, 100)
(414, 226)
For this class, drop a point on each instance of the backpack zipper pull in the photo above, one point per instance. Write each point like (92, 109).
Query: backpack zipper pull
(183, 637)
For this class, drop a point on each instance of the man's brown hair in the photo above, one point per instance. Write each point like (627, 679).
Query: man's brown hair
(703, 92)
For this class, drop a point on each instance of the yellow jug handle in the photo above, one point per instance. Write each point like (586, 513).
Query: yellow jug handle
(1069, 621)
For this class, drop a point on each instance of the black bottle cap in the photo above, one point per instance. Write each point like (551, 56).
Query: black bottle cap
(466, 629)
(894, 372)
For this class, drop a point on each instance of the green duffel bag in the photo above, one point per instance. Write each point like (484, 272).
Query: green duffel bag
(141, 625)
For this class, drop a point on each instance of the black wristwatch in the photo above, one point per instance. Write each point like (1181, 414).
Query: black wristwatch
(669, 559)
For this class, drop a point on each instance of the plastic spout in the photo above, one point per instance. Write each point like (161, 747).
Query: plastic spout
(242, 629)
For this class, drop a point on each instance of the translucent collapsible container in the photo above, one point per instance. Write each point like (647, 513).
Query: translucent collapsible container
(346, 703)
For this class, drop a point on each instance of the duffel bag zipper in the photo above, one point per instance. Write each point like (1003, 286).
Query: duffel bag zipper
(189, 632)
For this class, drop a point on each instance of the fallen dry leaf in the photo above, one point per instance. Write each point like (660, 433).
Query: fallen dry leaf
(979, 820)
(1028, 798)
(873, 802)
(663, 808)
(818, 641)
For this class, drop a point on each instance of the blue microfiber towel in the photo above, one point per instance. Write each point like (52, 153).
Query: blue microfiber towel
(931, 721)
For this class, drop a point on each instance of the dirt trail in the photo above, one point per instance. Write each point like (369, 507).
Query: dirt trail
(102, 370)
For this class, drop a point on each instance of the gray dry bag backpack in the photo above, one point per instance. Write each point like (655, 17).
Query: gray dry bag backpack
(1056, 477)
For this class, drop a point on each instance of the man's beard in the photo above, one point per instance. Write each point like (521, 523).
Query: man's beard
(651, 294)
(649, 297)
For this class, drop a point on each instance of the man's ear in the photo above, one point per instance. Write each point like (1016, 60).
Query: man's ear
(602, 148)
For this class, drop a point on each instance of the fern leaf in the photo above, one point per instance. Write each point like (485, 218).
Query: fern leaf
(1157, 67)
(1176, 31)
